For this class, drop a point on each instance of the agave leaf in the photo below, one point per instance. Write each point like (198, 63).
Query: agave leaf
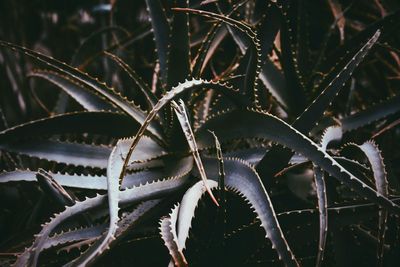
(250, 155)
(221, 174)
(323, 214)
(187, 210)
(76, 154)
(66, 180)
(140, 165)
(243, 123)
(133, 195)
(54, 189)
(372, 114)
(333, 133)
(109, 94)
(252, 74)
(267, 30)
(330, 134)
(243, 179)
(352, 165)
(66, 123)
(373, 154)
(171, 168)
(144, 88)
(289, 60)
(168, 234)
(181, 113)
(95, 182)
(75, 235)
(90, 101)
(278, 157)
(221, 213)
(114, 168)
(274, 81)
(161, 30)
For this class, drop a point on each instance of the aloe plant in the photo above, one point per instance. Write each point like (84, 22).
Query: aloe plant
(239, 143)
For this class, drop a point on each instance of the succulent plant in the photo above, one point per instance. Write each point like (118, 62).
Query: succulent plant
(250, 146)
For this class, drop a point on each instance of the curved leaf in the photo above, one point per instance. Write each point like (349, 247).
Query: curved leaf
(181, 113)
(187, 210)
(274, 81)
(93, 182)
(67, 180)
(75, 236)
(323, 213)
(89, 100)
(330, 134)
(77, 154)
(245, 123)
(374, 113)
(289, 61)
(333, 133)
(221, 175)
(373, 154)
(114, 167)
(168, 234)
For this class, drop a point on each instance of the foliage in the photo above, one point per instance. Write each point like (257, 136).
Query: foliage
(201, 133)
